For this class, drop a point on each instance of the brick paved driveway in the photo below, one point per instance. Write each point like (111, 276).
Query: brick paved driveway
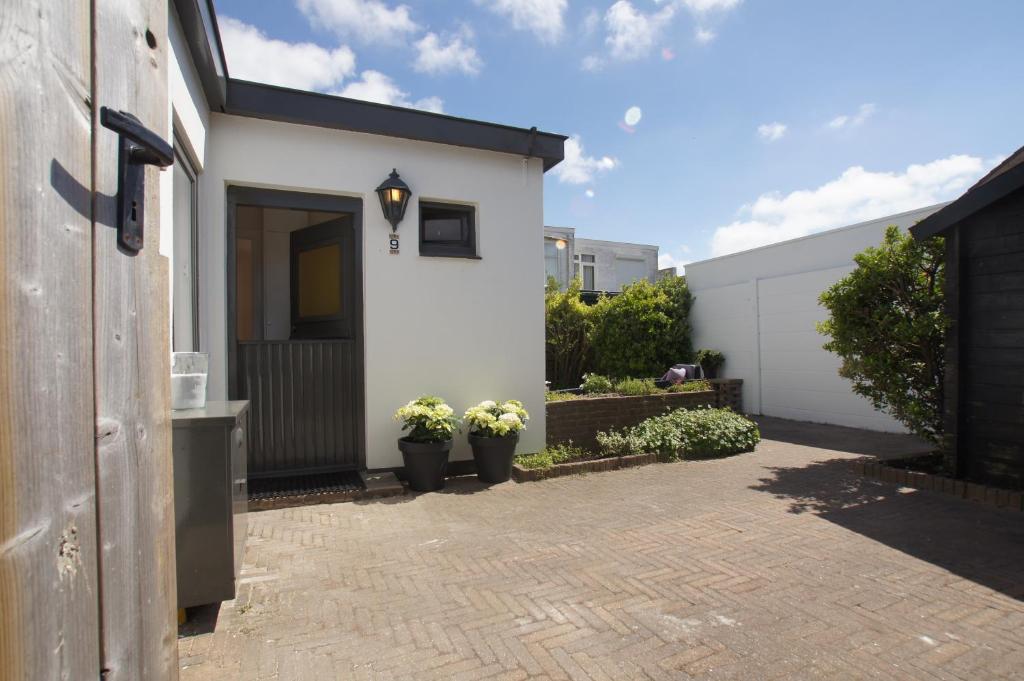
(776, 564)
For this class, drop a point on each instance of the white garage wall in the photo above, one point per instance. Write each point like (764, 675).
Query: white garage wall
(760, 307)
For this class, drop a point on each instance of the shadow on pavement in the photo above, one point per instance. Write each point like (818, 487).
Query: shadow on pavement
(840, 438)
(980, 544)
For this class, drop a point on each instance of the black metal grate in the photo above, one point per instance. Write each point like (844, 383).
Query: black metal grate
(261, 489)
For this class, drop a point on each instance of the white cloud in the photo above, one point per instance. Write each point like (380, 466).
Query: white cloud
(770, 132)
(433, 56)
(704, 35)
(367, 20)
(374, 86)
(679, 258)
(592, 63)
(705, 6)
(855, 196)
(251, 55)
(577, 167)
(545, 18)
(632, 34)
(591, 22)
(864, 112)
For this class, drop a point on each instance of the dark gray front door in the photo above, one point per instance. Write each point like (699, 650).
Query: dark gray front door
(304, 385)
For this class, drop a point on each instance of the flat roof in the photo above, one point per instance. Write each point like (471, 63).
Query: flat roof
(258, 100)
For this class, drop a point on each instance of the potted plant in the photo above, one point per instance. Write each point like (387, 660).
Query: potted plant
(430, 423)
(493, 433)
(710, 361)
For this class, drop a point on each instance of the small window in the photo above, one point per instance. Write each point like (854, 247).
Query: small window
(447, 230)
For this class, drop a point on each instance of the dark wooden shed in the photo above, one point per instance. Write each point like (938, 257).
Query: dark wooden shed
(984, 386)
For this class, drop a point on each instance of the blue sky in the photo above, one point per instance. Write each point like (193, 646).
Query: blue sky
(759, 120)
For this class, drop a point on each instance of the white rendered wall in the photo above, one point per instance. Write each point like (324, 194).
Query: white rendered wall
(760, 308)
(466, 330)
(608, 254)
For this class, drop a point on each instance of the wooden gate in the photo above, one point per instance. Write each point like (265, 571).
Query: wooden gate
(87, 583)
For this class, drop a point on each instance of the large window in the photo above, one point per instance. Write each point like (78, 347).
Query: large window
(184, 278)
(585, 268)
(447, 230)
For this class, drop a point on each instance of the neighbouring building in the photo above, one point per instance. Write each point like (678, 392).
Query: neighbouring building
(286, 273)
(760, 307)
(601, 265)
(984, 386)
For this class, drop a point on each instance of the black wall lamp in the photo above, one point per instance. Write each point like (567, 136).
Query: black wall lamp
(394, 196)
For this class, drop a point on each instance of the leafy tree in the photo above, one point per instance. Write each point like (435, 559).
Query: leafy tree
(644, 330)
(567, 329)
(888, 326)
(678, 345)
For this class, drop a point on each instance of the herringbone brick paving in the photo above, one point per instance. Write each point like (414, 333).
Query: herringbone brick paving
(780, 564)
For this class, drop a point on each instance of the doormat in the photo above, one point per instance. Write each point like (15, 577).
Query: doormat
(299, 490)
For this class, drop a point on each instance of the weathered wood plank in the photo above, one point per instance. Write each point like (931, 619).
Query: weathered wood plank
(132, 365)
(48, 574)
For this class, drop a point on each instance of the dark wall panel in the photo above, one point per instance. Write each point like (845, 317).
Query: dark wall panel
(303, 412)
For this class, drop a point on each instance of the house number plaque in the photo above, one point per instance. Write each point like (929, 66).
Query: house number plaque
(393, 244)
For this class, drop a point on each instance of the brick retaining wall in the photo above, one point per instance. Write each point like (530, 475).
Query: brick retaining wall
(580, 420)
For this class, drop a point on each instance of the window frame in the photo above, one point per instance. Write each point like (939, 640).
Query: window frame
(579, 269)
(465, 248)
(184, 160)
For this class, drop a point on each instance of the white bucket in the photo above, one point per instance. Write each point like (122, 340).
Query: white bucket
(189, 371)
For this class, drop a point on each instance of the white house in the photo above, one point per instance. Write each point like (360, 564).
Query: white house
(759, 308)
(286, 272)
(602, 265)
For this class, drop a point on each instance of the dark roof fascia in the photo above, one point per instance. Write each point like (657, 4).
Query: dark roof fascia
(269, 102)
(970, 203)
(199, 23)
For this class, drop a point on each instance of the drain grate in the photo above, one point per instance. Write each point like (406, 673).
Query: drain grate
(262, 489)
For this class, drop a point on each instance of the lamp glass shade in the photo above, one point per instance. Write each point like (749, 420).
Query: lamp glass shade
(394, 197)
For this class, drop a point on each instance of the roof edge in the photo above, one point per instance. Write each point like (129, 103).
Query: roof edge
(834, 230)
(199, 24)
(287, 105)
(974, 200)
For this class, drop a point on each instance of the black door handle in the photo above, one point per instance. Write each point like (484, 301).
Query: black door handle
(139, 147)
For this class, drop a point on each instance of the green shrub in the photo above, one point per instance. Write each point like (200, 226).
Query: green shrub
(684, 433)
(888, 326)
(559, 396)
(643, 330)
(636, 386)
(596, 384)
(709, 360)
(690, 387)
(555, 454)
(567, 334)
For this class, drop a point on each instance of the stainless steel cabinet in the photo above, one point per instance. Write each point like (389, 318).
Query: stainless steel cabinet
(210, 499)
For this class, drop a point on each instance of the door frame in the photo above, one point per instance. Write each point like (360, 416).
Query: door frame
(240, 195)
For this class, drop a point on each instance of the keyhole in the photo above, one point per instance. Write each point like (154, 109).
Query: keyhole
(134, 215)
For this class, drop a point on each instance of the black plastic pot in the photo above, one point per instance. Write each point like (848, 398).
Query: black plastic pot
(493, 456)
(425, 463)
